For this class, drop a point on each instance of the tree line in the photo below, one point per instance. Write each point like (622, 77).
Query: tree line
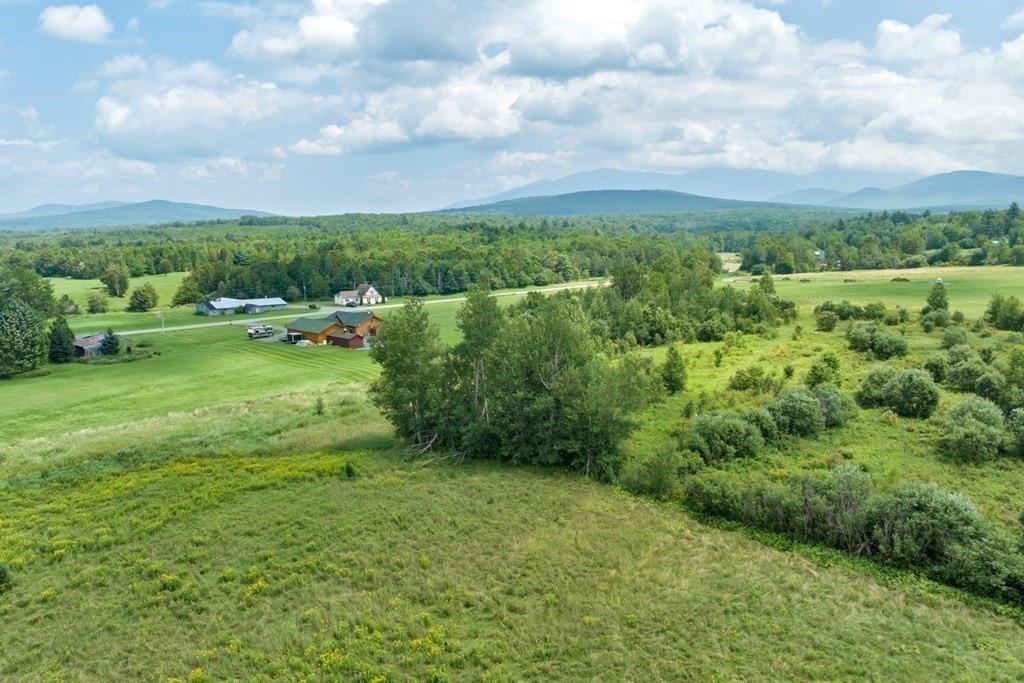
(549, 380)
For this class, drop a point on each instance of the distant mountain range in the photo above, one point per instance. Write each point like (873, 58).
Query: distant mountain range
(612, 202)
(103, 214)
(829, 188)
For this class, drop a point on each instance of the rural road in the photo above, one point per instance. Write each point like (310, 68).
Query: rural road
(324, 311)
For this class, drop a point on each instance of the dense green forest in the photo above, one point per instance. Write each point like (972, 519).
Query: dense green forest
(420, 254)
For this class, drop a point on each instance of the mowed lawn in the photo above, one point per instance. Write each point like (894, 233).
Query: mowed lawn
(241, 549)
(970, 288)
(195, 369)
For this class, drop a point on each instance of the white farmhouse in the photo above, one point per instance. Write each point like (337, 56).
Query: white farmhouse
(363, 295)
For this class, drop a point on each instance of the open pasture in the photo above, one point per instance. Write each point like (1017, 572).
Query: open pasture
(196, 368)
(78, 290)
(230, 543)
(970, 288)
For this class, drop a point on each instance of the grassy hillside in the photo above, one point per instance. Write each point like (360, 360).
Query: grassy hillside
(231, 544)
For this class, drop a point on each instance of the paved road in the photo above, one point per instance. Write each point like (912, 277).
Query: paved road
(244, 322)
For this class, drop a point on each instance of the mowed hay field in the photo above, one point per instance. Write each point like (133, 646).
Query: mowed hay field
(232, 544)
(78, 290)
(969, 288)
(196, 368)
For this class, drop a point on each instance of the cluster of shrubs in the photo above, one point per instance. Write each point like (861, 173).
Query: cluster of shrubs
(979, 428)
(908, 393)
(757, 379)
(881, 343)
(1005, 313)
(829, 313)
(796, 412)
(992, 421)
(915, 525)
(940, 317)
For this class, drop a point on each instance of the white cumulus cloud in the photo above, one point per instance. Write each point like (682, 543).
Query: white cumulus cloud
(76, 22)
(930, 40)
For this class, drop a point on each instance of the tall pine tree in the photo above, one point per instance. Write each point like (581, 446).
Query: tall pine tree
(23, 341)
(111, 344)
(62, 347)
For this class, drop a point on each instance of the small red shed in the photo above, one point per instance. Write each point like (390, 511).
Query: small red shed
(347, 340)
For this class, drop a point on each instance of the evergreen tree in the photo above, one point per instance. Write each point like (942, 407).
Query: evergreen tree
(23, 340)
(937, 298)
(673, 372)
(111, 344)
(62, 348)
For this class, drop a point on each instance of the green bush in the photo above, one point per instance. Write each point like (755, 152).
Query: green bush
(872, 392)
(764, 422)
(937, 366)
(960, 353)
(754, 378)
(914, 526)
(826, 321)
(655, 474)
(991, 385)
(725, 436)
(6, 580)
(712, 329)
(973, 431)
(350, 470)
(860, 338)
(880, 342)
(912, 393)
(939, 318)
(920, 525)
(953, 336)
(888, 345)
(964, 376)
(797, 412)
(875, 311)
(824, 370)
(836, 407)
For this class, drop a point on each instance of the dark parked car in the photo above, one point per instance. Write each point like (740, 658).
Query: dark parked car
(352, 304)
(315, 307)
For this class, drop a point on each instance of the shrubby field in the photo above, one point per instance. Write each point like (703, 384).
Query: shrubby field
(749, 511)
(258, 540)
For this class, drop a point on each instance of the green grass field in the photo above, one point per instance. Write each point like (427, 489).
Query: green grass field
(229, 544)
(188, 517)
(969, 288)
(165, 285)
(195, 368)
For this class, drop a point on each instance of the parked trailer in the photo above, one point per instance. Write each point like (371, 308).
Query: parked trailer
(260, 331)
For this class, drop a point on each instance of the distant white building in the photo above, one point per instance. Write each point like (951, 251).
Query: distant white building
(226, 305)
(363, 295)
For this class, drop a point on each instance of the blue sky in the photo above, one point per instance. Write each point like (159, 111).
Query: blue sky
(326, 106)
